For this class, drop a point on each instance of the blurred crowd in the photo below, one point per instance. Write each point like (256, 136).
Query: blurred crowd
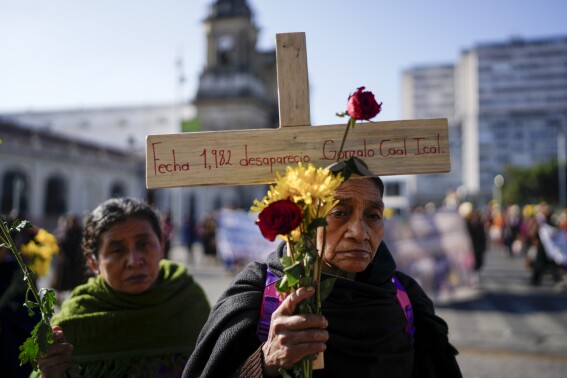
(536, 233)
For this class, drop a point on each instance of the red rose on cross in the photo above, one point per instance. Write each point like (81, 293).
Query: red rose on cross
(362, 105)
(279, 218)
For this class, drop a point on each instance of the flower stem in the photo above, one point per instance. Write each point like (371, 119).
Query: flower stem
(290, 251)
(28, 275)
(348, 126)
(307, 370)
(318, 268)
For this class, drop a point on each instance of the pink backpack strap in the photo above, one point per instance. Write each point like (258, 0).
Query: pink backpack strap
(405, 304)
(270, 302)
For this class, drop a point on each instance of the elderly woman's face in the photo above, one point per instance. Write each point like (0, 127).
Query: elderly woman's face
(129, 255)
(355, 226)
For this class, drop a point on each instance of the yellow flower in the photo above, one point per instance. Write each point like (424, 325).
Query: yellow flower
(40, 251)
(310, 187)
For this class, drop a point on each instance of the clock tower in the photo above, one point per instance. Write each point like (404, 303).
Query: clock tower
(237, 88)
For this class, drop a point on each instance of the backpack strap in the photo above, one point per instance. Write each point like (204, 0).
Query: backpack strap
(270, 302)
(405, 304)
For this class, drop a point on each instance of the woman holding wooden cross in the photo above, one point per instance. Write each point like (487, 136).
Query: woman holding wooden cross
(376, 322)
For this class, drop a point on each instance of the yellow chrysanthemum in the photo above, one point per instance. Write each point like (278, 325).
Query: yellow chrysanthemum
(310, 187)
(40, 251)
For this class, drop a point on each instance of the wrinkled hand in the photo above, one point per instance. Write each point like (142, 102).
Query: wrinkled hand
(293, 337)
(58, 356)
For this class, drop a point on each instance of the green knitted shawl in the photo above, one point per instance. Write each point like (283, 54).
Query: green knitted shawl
(150, 334)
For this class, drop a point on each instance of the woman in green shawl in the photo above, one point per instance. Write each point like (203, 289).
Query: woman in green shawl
(140, 315)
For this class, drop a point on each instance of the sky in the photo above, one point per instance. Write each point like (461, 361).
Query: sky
(69, 54)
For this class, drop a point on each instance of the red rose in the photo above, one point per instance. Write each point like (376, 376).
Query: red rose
(279, 218)
(362, 105)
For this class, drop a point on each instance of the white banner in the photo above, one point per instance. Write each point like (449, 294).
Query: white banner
(239, 239)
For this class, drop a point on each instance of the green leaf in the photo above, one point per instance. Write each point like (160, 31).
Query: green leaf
(305, 282)
(28, 351)
(310, 257)
(284, 373)
(282, 285)
(304, 308)
(30, 306)
(351, 122)
(286, 261)
(49, 301)
(326, 287)
(298, 371)
(43, 338)
(293, 273)
(30, 348)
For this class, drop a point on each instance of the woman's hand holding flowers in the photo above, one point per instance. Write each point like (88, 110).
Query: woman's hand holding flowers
(293, 337)
(58, 357)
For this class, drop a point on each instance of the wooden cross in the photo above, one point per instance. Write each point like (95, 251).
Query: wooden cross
(246, 157)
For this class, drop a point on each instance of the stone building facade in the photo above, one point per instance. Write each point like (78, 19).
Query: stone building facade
(44, 175)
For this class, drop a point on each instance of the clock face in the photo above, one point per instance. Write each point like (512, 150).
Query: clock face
(225, 42)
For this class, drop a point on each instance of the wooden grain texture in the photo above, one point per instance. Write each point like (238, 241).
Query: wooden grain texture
(246, 157)
(293, 83)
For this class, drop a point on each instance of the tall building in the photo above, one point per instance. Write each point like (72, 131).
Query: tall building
(429, 92)
(506, 103)
(512, 99)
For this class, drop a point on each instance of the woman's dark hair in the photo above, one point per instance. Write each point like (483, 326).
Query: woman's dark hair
(111, 212)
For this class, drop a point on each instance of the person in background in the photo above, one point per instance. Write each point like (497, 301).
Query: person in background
(475, 227)
(539, 260)
(188, 237)
(71, 267)
(168, 230)
(511, 231)
(363, 330)
(523, 235)
(140, 315)
(495, 225)
(208, 231)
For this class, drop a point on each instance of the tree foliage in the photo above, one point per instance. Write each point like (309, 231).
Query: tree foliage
(538, 183)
